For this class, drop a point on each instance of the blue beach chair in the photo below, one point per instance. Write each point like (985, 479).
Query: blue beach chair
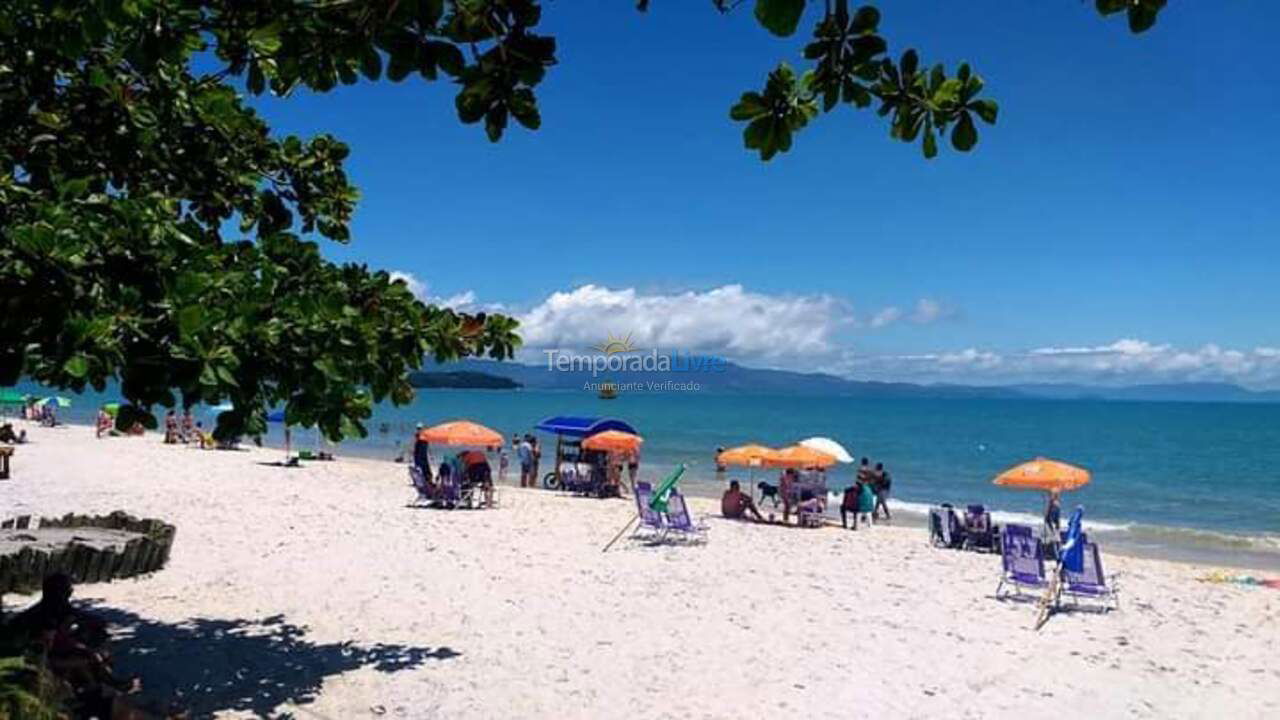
(679, 520)
(1090, 582)
(1021, 559)
(650, 519)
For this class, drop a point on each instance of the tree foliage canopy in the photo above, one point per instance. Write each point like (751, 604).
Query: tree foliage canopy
(154, 230)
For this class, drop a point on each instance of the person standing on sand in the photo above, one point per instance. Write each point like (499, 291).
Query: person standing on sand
(720, 468)
(537, 460)
(422, 454)
(786, 486)
(880, 486)
(633, 466)
(1053, 514)
(524, 453)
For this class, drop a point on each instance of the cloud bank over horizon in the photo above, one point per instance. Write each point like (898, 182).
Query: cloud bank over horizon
(820, 332)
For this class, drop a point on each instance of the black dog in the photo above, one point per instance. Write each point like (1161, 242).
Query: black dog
(768, 492)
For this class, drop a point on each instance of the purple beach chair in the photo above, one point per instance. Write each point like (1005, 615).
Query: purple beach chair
(650, 519)
(1021, 559)
(1090, 582)
(978, 531)
(680, 521)
(420, 485)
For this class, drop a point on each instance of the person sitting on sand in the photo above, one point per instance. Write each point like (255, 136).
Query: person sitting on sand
(170, 428)
(735, 504)
(7, 435)
(188, 426)
(74, 645)
(104, 424)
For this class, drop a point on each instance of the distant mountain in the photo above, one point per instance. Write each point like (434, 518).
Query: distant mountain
(461, 379)
(1168, 392)
(737, 379)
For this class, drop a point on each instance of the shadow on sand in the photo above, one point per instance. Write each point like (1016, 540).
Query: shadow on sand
(208, 666)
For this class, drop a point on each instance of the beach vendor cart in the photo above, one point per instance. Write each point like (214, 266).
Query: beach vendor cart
(579, 469)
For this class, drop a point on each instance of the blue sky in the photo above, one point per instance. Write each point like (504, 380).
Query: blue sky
(1127, 193)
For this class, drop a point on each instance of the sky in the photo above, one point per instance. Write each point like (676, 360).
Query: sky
(1118, 225)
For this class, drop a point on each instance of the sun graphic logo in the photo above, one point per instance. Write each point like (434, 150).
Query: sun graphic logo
(614, 345)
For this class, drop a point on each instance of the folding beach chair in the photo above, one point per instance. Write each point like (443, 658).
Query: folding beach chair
(1021, 559)
(1090, 582)
(419, 481)
(978, 531)
(680, 521)
(945, 529)
(650, 519)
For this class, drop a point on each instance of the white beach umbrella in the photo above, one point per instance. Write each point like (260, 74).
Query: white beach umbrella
(828, 446)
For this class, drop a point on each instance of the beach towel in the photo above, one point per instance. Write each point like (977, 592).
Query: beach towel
(866, 499)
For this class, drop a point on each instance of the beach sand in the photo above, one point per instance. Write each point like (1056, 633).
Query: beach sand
(316, 593)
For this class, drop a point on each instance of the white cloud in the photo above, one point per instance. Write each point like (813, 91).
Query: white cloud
(464, 301)
(925, 312)
(886, 317)
(730, 320)
(1124, 362)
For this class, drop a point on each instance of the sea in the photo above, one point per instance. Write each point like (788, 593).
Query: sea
(1185, 481)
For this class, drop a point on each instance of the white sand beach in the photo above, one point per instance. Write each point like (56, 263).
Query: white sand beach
(316, 593)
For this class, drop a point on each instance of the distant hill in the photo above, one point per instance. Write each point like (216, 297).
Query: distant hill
(1168, 392)
(461, 379)
(737, 379)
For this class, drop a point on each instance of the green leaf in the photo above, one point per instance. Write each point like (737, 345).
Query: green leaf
(750, 106)
(371, 63)
(986, 109)
(1141, 18)
(965, 135)
(190, 320)
(76, 366)
(780, 17)
(1107, 7)
(910, 63)
(930, 144)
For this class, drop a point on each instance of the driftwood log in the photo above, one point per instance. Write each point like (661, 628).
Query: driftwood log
(88, 548)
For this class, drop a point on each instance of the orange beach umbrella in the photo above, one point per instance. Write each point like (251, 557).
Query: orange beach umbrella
(746, 455)
(1044, 474)
(461, 432)
(799, 456)
(613, 441)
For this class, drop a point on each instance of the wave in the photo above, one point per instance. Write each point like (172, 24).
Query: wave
(1137, 533)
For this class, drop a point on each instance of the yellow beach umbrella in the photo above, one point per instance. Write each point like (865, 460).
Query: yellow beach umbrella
(746, 455)
(1044, 474)
(799, 456)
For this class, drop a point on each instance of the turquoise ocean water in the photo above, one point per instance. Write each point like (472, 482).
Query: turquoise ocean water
(1189, 480)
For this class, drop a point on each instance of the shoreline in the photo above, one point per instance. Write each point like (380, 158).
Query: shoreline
(1221, 549)
(320, 592)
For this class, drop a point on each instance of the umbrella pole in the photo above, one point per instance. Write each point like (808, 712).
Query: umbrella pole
(619, 535)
